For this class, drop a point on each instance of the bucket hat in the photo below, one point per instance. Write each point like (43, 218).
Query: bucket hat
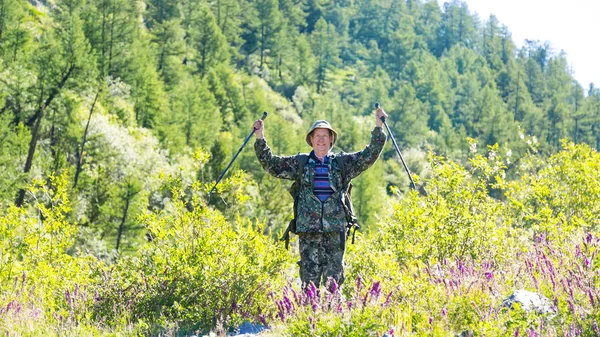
(321, 124)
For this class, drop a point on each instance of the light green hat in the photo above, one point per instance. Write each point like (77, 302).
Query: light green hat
(321, 124)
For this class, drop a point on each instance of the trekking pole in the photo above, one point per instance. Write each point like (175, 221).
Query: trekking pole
(412, 182)
(235, 156)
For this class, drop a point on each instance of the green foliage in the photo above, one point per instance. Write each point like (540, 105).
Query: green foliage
(207, 40)
(14, 143)
(195, 270)
(179, 84)
(458, 218)
(41, 286)
(559, 196)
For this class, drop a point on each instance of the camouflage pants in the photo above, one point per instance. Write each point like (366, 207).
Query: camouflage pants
(322, 257)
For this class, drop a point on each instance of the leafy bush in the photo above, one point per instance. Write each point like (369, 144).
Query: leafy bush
(560, 195)
(196, 271)
(42, 288)
(458, 218)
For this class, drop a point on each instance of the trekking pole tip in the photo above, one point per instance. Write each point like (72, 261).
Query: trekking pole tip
(264, 115)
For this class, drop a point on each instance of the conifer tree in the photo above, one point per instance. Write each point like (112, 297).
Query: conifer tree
(61, 58)
(147, 88)
(167, 36)
(457, 26)
(109, 25)
(159, 11)
(428, 18)
(193, 117)
(207, 40)
(326, 50)
(261, 32)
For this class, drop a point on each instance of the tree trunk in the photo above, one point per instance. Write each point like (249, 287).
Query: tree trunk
(122, 224)
(36, 130)
(81, 151)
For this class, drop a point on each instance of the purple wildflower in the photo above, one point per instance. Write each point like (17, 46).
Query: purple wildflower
(588, 238)
(233, 305)
(314, 307)
(391, 332)
(375, 289)
(572, 307)
(586, 261)
(577, 251)
(516, 333)
(489, 275)
(430, 320)
(358, 283)
(532, 333)
(288, 304)
(596, 329)
(296, 298)
(349, 305)
(262, 319)
(444, 312)
(310, 292)
(333, 286)
(591, 296)
(388, 299)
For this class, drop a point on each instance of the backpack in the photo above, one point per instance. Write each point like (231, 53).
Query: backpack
(352, 221)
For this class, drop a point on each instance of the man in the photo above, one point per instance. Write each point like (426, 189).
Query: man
(321, 219)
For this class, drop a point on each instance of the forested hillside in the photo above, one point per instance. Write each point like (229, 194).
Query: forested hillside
(117, 116)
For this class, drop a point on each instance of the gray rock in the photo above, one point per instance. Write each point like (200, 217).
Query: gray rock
(248, 329)
(530, 301)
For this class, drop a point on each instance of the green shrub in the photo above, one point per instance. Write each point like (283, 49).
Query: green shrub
(196, 271)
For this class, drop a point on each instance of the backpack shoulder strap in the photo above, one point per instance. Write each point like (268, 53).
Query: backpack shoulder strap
(347, 198)
(340, 162)
(302, 160)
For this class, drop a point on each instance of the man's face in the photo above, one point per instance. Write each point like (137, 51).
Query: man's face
(321, 140)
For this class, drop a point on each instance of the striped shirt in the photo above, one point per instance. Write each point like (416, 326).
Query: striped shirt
(321, 189)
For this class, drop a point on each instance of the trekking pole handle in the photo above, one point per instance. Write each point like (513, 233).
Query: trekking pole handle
(264, 116)
(235, 156)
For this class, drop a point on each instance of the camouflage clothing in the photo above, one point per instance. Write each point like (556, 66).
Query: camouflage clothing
(321, 256)
(320, 225)
(314, 215)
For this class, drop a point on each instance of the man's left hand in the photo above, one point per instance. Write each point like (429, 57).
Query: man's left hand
(380, 113)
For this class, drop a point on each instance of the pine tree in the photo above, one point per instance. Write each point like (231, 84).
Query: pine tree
(109, 25)
(147, 89)
(159, 11)
(193, 118)
(326, 50)
(208, 42)
(168, 36)
(457, 26)
(61, 58)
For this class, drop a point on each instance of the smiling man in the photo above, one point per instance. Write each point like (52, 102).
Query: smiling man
(322, 178)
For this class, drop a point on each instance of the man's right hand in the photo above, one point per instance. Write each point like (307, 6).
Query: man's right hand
(259, 128)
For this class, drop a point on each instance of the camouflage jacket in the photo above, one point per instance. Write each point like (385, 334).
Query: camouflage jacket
(314, 215)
